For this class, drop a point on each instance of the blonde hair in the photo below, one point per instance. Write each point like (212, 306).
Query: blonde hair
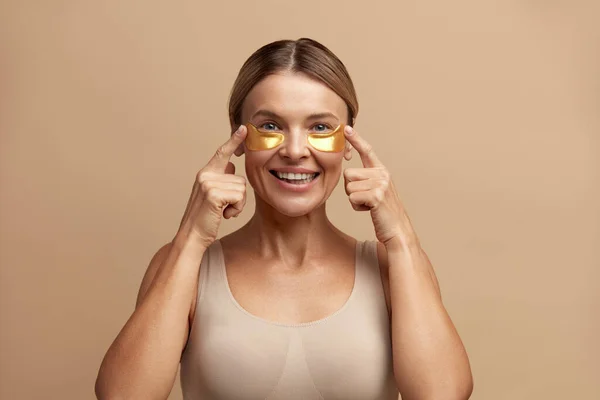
(305, 56)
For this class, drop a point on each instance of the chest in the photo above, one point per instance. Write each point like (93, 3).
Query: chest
(237, 356)
(243, 347)
(291, 295)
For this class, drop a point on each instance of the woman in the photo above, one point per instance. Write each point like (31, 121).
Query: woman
(288, 306)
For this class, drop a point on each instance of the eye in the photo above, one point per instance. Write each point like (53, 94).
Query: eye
(269, 126)
(321, 128)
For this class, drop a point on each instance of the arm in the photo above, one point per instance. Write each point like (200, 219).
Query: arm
(430, 361)
(142, 362)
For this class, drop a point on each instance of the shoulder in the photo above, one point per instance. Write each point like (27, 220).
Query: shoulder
(157, 259)
(378, 258)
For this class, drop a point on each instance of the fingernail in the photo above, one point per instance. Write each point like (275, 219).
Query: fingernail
(349, 131)
(239, 130)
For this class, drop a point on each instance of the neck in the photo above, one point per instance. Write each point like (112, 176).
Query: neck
(291, 239)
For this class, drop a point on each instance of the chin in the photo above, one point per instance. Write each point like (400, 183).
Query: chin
(293, 209)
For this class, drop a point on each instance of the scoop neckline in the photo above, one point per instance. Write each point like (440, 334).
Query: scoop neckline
(223, 269)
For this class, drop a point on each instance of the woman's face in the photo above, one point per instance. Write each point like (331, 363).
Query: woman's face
(294, 105)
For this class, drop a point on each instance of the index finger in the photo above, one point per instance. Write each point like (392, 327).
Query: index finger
(364, 149)
(225, 151)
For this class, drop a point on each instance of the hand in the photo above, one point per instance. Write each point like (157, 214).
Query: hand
(216, 193)
(372, 189)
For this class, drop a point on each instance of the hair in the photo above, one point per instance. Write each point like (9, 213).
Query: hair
(305, 56)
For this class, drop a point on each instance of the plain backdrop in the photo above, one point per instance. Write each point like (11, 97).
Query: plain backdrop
(487, 114)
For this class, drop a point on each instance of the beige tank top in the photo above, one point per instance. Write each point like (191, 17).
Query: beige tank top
(232, 354)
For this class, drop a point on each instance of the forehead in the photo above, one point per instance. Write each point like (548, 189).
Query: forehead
(293, 96)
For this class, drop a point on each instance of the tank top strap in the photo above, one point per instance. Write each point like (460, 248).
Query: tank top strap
(368, 253)
(368, 274)
(211, 281)
(213, 287)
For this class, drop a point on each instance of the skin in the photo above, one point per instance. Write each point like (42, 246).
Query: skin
(291, 252)
(294, 238)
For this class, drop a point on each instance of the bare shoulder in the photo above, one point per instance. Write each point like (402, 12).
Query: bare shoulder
(155, 263)
(384, 266)
(159, 257)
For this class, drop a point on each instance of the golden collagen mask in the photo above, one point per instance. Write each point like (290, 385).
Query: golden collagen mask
(333, 141)
(262, 140)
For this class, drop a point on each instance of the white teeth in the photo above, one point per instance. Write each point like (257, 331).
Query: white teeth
(300, 178)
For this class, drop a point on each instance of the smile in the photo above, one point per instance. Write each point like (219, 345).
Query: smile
(293, 178)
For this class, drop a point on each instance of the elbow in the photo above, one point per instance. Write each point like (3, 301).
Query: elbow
(463, 391)
(464, 385)
(99, 390)
(104, 390)
(109, 388)
(468, 391)
(459, 389)
(102, 393)
(456, 389)
(100, 387)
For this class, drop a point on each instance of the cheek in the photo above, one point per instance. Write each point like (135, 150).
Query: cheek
(255, 160)
(331, 162)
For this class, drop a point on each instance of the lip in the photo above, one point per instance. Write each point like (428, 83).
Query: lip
(295, 187)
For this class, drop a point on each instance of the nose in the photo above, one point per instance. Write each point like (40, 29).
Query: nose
(295, 145)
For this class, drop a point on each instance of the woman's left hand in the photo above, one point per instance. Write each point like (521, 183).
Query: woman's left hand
(372, 189)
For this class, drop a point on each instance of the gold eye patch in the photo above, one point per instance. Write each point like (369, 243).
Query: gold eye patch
(333, 141)
(261, 140)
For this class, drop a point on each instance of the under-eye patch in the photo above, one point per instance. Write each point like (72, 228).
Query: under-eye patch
(258, 139)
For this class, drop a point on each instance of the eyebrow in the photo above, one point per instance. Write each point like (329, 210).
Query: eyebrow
(265, 113)
(271, 114)
(323, 115)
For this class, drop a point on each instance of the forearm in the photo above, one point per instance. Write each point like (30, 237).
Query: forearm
(430, 361)
(142, 362)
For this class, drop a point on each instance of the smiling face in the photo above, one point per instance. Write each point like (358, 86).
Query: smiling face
(294, 178)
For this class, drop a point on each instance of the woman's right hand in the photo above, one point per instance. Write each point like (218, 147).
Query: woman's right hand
(216, 193)
(142, 361)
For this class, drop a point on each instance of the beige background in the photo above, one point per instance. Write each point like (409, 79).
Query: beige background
(486, 112)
